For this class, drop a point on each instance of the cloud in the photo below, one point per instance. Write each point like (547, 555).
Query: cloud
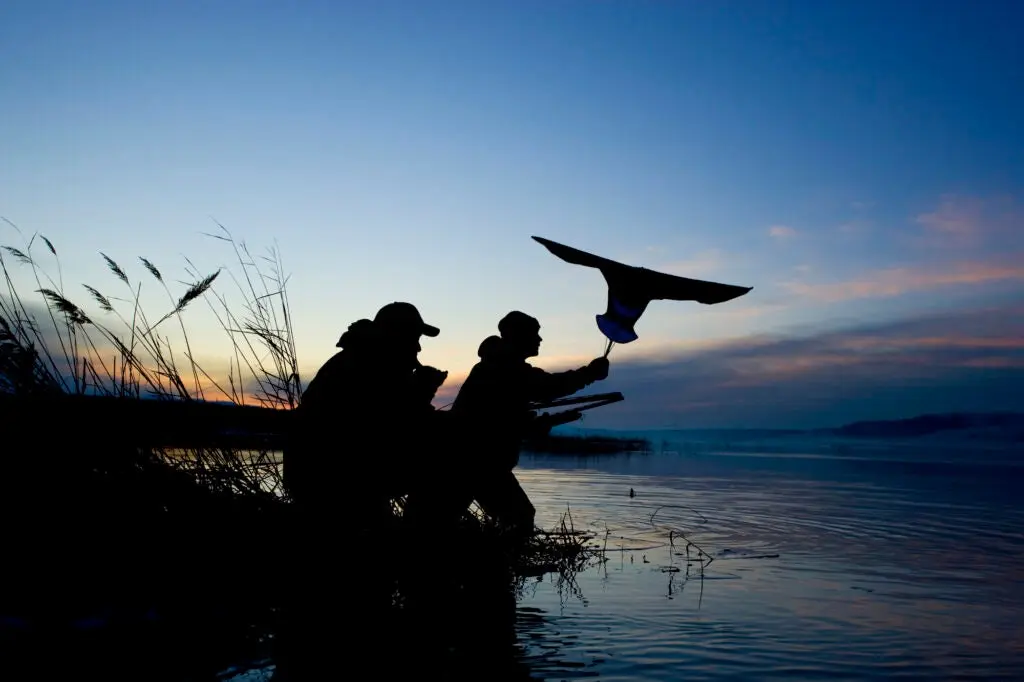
(781, 232)
(897, 281)
(969, 360)
(956, 217)
(983, 240)
(970, 222)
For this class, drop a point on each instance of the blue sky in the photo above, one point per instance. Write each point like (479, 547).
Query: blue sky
(858, 164)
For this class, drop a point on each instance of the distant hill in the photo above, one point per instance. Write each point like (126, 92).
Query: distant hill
(1001, 425)
(992, 427)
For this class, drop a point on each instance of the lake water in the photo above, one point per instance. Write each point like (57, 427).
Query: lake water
(877, 563)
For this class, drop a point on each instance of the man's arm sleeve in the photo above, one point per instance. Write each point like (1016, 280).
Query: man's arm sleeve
(551, 385)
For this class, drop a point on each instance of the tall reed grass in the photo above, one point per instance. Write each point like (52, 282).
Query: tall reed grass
(54, 345)
(58, 346)
(204, 512)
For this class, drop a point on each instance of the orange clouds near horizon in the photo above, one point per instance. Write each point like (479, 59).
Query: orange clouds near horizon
(902, 280)
(971, 360)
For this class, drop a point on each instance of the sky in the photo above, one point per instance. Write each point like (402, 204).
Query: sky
(859, 164)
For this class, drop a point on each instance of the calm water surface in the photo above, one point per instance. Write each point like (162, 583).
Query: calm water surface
(880, 564)
(856, 566)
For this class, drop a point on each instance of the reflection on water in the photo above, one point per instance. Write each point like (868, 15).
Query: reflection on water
(825, 565)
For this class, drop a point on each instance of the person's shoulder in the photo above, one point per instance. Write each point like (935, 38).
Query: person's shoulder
(339, 365)
(335, 361)
(491, 349)
(532, 369)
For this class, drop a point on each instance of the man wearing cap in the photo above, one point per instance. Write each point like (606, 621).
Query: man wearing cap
(375, 379)
(494, 405)
(360, 426)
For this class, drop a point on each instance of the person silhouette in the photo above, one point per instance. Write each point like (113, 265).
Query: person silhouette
(375, 379)
(493, 410)
(343, 467)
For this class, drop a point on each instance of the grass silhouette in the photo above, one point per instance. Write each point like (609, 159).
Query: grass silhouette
(146, 524)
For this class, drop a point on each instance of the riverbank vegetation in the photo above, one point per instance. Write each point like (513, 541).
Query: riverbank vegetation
(145, 529)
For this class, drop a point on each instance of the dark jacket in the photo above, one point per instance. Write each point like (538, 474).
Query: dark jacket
(362, 381)
(358, 415)
(496, 396)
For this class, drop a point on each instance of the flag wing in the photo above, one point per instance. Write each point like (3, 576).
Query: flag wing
(577, 257)
(631, 289)
(662, 286)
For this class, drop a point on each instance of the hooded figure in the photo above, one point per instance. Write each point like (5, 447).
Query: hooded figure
(493, 406)
(359, 426)
(499, 390)
(376, 378)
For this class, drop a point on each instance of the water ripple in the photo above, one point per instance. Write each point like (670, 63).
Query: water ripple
(824, 570)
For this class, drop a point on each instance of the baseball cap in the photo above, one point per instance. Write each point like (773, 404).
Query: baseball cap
(403, 317)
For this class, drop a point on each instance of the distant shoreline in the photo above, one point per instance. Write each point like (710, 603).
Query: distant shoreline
(1000, 426)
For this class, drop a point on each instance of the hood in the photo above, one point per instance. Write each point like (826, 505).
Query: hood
(360, 332)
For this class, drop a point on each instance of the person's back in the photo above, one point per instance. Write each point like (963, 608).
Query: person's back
(311, 464)
(357, 419)
(375, 380)
(495, 399)
(494, 405)
(349, 366)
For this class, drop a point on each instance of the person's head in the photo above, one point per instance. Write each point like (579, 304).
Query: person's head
(521, 332)
(399, 327)
(360, 334)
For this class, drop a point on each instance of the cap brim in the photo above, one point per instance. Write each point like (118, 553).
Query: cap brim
(429, 330)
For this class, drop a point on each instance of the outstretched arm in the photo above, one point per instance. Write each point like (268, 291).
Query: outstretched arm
(543, 386)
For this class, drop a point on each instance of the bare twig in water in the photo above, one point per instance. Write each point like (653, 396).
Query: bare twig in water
(703, 556)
